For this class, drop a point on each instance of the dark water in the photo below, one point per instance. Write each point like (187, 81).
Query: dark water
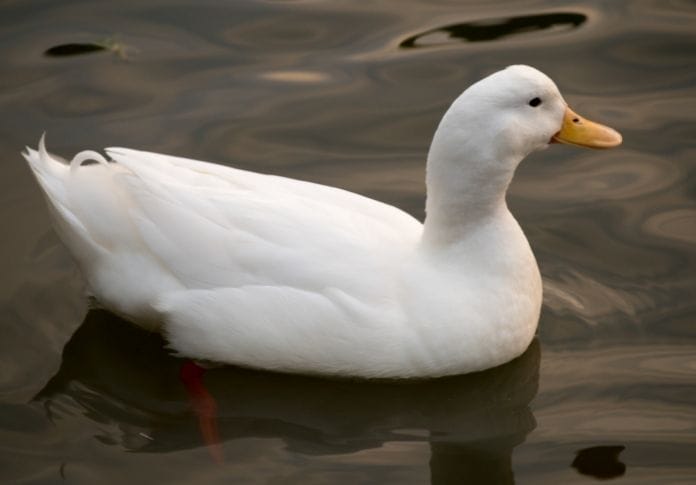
(348, 94)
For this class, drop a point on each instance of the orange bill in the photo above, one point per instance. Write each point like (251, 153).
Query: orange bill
(579, 131)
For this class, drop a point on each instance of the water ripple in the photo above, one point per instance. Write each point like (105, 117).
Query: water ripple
(618, 366)
(601, 176)
(582, 295)
(677, 224)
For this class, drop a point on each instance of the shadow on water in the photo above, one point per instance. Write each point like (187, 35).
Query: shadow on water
(600, 462)
(486, 30)
(114, 373)
(122, 50)
(67, 50)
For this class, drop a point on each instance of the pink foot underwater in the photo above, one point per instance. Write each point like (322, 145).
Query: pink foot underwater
(204, 407)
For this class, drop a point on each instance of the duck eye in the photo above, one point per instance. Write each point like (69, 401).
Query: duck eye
(535, 102)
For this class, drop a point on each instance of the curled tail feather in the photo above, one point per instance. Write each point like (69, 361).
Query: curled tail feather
(52, 171)
(49, 172)
(53, 175)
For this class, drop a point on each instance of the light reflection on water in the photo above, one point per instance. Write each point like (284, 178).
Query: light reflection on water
(335, 93)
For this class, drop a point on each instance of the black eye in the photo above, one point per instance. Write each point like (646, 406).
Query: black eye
(534, 102)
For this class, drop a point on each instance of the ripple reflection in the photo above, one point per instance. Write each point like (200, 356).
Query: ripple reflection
(678, 224)
(486, 30)
(467, 425)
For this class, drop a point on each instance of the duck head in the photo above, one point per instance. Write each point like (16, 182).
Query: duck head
(487, 131)
(518, 110)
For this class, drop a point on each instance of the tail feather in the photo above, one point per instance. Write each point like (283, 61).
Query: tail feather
(53, 175)
(50, 172)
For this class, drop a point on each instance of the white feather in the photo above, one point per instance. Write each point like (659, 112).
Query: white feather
(270, 272)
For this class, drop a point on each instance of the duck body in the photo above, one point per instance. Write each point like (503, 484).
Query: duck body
(274, 273)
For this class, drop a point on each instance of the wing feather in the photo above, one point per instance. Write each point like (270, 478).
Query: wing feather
(213, 226)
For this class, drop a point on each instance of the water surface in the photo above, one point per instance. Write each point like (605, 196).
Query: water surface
(349, 95)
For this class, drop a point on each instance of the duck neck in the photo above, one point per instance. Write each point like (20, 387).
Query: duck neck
(466, 187)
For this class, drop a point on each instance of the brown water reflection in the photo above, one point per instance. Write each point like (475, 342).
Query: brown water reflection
(322, 91)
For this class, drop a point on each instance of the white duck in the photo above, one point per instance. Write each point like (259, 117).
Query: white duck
(274, 273)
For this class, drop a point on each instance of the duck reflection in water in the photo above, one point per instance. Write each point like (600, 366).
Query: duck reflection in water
(115, 373)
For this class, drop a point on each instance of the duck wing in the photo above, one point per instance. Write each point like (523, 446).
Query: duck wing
(213, 226)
